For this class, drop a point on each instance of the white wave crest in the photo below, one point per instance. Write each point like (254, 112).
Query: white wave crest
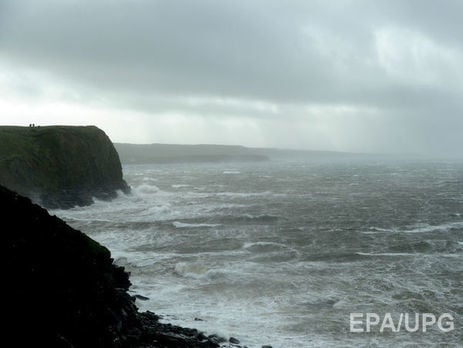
(179, 224)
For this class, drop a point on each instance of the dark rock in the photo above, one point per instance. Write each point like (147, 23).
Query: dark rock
(141, 297)
(217, 339)
(234, 340)
(69, 290)
(60, 166)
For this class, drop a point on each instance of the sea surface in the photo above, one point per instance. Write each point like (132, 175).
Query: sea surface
(281, 252)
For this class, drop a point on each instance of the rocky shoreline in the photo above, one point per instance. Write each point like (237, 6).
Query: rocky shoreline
(63, 289)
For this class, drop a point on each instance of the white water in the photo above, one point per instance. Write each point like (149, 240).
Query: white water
(281, 253)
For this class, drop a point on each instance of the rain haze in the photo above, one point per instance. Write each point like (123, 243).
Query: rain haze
(358, 76)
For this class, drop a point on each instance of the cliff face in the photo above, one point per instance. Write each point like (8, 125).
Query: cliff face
(60, 166)
(61, 289)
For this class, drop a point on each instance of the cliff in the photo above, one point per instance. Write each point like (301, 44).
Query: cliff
(61, 288)
(60, 166)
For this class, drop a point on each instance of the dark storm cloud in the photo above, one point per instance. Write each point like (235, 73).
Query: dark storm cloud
(401, 58)
(198, 47)
(250, 49)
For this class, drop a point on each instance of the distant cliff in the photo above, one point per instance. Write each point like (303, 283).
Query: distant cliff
(60, 166)
(172, 153)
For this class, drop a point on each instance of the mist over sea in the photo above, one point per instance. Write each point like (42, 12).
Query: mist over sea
(281, 252)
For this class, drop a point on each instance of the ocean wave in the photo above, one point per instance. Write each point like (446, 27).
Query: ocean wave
(249, 194)
(264, 246)
(193, 270)
(248, 219)
(179, 224)
(417, 228)
(406, 254)
(339, 257)
(148, 189)
(233, 251)
(387, 254)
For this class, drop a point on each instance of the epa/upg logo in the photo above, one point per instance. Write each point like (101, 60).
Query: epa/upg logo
(414, 322)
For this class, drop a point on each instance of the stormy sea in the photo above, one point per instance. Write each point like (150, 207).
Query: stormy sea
(282, 252)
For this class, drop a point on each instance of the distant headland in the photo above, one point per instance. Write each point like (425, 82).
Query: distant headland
(175, 153)
(212, 153)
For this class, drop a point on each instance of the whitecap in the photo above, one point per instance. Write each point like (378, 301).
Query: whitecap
(417, 228)
(387, 254)
(193, 270)
(406, 254)
(147, 189)
(179, 224)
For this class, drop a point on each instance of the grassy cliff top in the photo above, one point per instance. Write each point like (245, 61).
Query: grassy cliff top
(21, 140)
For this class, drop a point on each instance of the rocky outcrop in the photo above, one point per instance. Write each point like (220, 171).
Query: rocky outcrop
(61, 288)
(60, 166)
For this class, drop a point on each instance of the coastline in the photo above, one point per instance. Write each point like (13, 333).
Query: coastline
(72, 292)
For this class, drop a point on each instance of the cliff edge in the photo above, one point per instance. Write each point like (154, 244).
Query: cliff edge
(60, 166)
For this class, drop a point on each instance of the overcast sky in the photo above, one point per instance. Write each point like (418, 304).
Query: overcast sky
(368, 76)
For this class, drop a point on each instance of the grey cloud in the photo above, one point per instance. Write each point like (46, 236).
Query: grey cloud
(243, 49)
